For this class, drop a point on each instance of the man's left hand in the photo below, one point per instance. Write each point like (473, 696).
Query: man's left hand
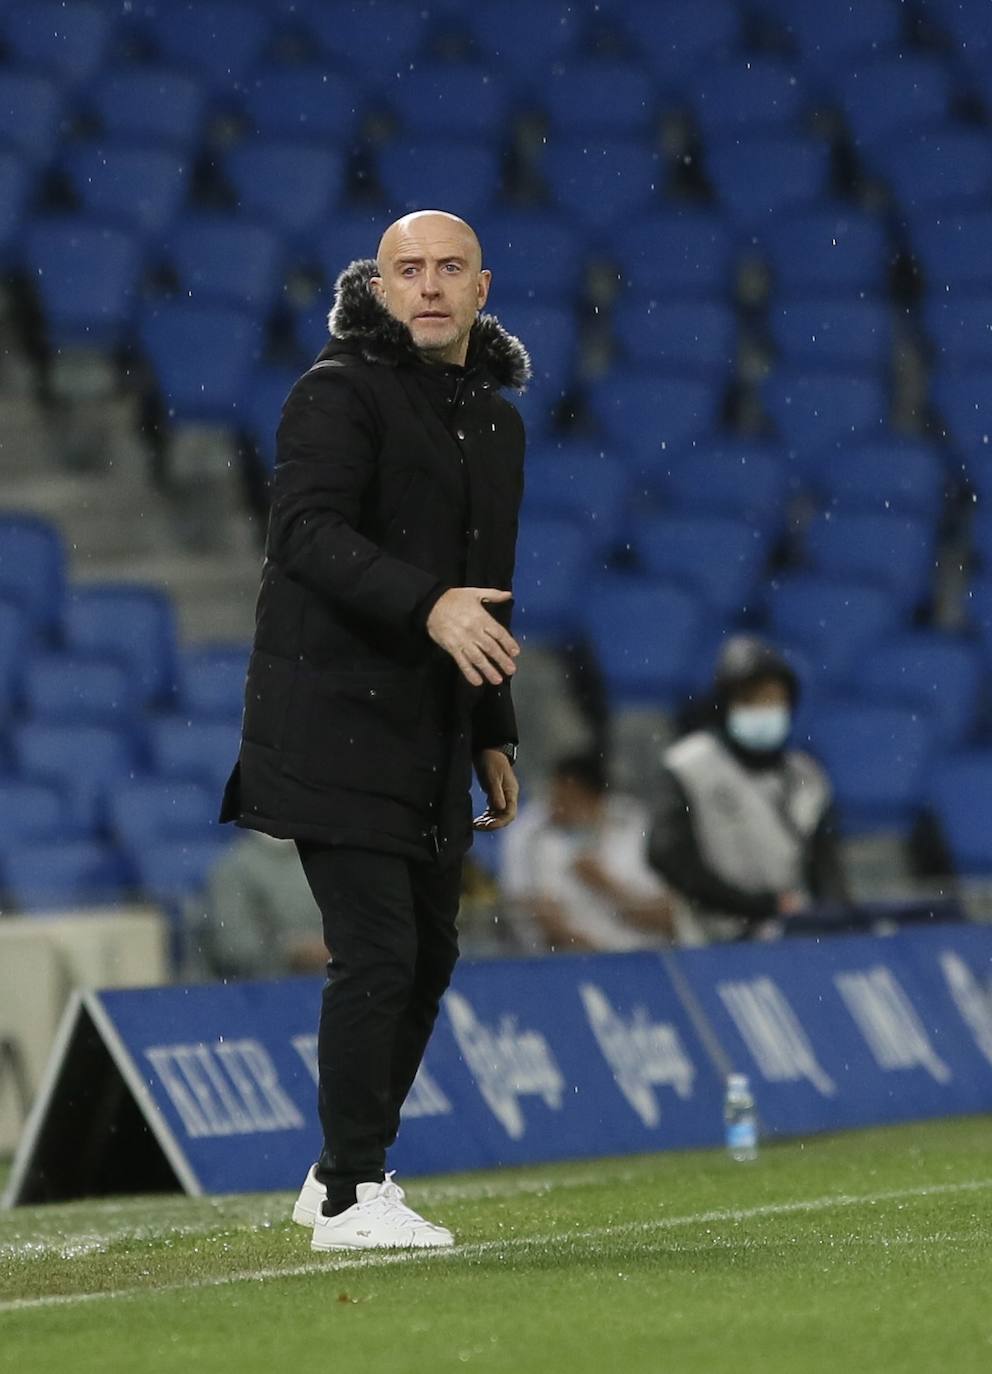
(500, 785)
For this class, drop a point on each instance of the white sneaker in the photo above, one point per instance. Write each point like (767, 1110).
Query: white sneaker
(307, 1206)
(378, 1220)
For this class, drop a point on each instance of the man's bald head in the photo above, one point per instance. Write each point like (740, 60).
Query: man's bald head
(432, 280)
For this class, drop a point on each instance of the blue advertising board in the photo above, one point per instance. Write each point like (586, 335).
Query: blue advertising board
(561, 1058)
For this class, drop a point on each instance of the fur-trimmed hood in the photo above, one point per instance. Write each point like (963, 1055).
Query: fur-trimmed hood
(359, 315)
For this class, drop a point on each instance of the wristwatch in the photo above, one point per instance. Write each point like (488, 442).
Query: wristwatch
(510, 750)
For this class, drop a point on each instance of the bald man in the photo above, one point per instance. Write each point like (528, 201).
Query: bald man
(381, 674)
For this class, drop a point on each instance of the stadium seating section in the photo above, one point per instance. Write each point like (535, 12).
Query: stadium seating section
(717, 225)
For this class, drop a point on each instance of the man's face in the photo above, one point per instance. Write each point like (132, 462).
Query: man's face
(766, 691)
(431, 279)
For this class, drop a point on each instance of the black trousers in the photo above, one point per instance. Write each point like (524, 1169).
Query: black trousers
(390, 926)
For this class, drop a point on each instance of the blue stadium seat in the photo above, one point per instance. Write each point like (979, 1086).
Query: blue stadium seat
(14, 637)
(203, 357)
(716, 558)
(30, 107)
(961, 800)
(884, 474)
(952, 247)
(540, 408)
(979, 611)
(584, 484)
(833, 332)
(221, 40)
(459, 174)
(32, 568)
(645, 635)
(643, 412)
(348, 235)
(30, 813)
(263, 408)
(949, 165)
(963, 398)
(745, 96)
(311, 329)
(549, 334)
(894, 93)
(890, 550)
(14, 187)
(305, 102)
(87, 279)
(554, 559)
(960, 328)
(286, 184)
(936, 673)
(131, 623)
(437, 98)
(194, 750)
(676, 253)
(79, 689)
(219, 259)
(828, 249)
(212, 681)
(172, 870)
(151, 105)
(981, 533)
(138, 188)
(828, 41)
(745, 479)
(148, 811)
(523, 37)
(64, 876)
(813, 409)
(833, 621)
(82, 761)
(758, 178)
(877, 758)
(379, 40)
(516, 241)
(604, 180)
(694, 337)
(69, 41)
(602, 97)
(682, 37)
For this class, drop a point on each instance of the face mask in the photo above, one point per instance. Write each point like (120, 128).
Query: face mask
(761, 728)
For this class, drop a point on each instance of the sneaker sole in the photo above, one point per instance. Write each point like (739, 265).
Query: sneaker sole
(354, 1245)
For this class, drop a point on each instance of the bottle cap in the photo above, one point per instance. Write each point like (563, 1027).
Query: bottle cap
(738, 1083)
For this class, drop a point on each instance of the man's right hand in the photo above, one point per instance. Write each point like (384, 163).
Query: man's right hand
(460, 623)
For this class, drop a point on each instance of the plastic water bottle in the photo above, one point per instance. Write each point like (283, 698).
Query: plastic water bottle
(739, 1119)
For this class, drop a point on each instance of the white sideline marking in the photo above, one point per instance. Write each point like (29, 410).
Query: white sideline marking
(374, 1259)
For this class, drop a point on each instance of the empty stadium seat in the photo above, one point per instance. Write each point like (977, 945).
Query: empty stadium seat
(263, 408)
(696, 337)
(759, 177)
(170, 871)
(133, 624)
(680, 38)
(643, 412)
(220, 39)
(961, 800)
(948, 164)
(30, 107)
(87, 278)
(75, 689)
(285, 183)
(952, 247)
(827, 39)
(514, 242)
(189, 750)
(14, 186)
(939, 674)
(890, 550)
(212, 681)
(876, 757)
(813, 409)
(150, 105)
(583, 483)
(892, 93)
(149, 811)
(746, 95)
(718, 559)
(828, 248)
(884, 474)
(437, 98)
(461, 175)
(554, 559)
(70, 41)
(677, 253)
(30, 813)
(379, 40)
(602, 97)
(306, 102)
(64, 876)
(218, 258)
(603, 180)
(82, 761)
(746, 479)
(142, 189)
(645, 636)
(833, 332)
(32, 568)
(203, 357)
(549, 334)
(963, 398)
(959, 324)
(14, 637)
(521, 36)
(833, 621)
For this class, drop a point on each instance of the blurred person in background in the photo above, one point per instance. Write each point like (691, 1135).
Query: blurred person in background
(574, 869)
(256, 917)
(743, 829)
(380, 674)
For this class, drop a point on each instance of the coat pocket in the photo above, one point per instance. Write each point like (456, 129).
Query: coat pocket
(361, 732)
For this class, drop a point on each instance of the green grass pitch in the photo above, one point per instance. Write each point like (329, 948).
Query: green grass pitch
(862, 1252)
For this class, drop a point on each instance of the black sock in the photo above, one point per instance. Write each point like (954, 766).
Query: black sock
(332, 1207)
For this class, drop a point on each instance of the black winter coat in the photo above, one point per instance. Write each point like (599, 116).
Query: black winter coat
(395, 479)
